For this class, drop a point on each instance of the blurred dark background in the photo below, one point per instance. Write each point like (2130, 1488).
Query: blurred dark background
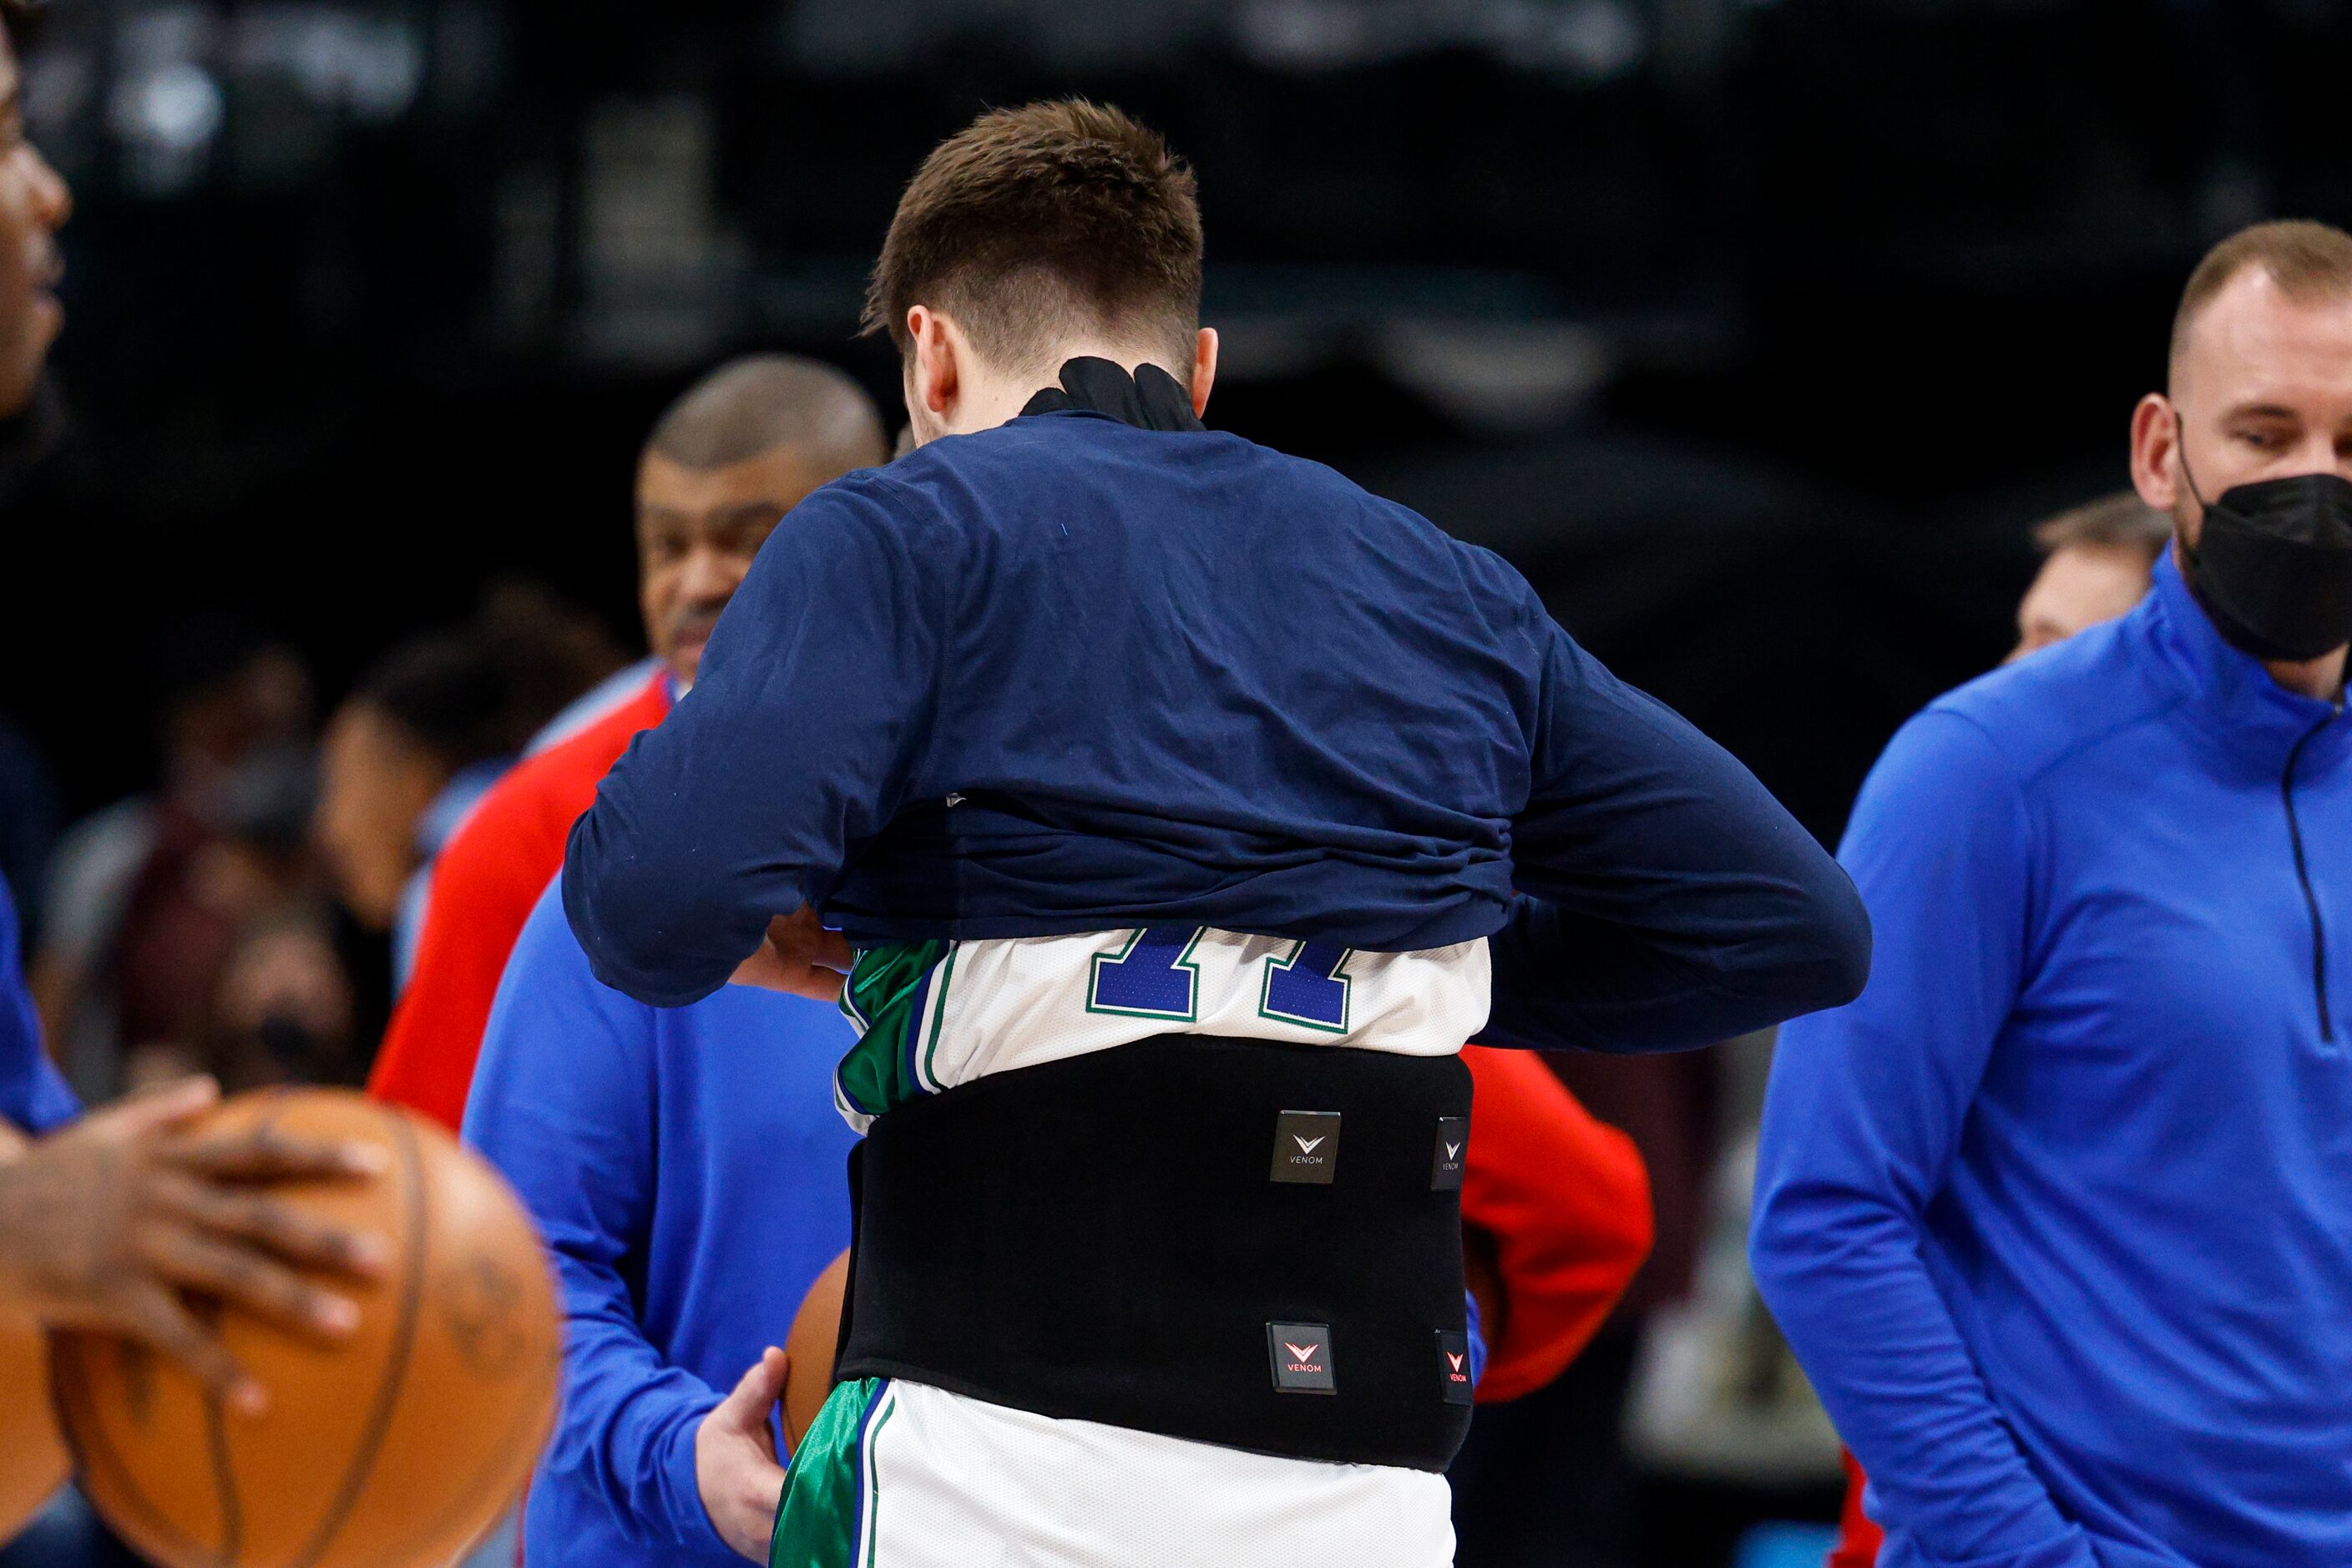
(1755, 331)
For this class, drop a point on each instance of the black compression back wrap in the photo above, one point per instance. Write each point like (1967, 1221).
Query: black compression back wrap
(1099, 1239)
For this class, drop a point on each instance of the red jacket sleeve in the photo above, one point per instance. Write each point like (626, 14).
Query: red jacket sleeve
(1565, 1200)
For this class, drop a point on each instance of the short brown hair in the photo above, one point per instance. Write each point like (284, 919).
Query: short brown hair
(2119, 522)
(1032, 221)
(2304, 258)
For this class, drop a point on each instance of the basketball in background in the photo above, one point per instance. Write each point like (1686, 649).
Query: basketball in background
(32, 1455)
(816, 1334)
(398, 1446)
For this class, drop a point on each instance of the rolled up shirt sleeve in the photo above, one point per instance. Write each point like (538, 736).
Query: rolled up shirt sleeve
(795, 746)
(1860, 1124)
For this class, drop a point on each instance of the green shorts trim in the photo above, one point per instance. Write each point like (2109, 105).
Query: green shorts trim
(829, 1505)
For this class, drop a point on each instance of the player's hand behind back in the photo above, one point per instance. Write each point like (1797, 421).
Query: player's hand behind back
(799, 957)
(105, 1223)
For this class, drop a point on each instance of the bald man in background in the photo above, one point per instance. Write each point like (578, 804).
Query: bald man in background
(723, 464)
(686, 1165)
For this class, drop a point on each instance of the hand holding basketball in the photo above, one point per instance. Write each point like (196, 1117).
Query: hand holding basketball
(104, 1224)
(394, 1443)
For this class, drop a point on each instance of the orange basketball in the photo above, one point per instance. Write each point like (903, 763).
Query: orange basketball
(816, 1329)
(398, 1446)
(32, 1455)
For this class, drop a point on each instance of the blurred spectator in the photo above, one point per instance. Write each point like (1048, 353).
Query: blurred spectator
(2095, 564)
(207, 883)
(144, 898)
(282, 1011)
(425, 734)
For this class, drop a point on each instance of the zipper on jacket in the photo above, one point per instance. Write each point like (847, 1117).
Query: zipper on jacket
(2303, 875)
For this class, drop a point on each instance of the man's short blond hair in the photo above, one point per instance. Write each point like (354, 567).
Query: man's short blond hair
(2306, 260)
(2117, 522)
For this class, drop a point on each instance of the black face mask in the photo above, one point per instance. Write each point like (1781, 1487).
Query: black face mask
(2274, 565)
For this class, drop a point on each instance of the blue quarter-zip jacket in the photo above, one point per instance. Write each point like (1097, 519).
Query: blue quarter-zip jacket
(2058, 1216)
(1070, 675)
(689, 1172)
(32, 1095)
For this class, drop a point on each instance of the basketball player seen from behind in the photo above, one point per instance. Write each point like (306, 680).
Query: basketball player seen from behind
(1187, 807)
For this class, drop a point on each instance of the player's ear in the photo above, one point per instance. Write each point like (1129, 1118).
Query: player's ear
(1204, 369)
(935, 373)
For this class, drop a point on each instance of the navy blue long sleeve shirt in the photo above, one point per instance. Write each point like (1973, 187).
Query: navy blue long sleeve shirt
(2058, 1216)
(1069, 675)
(689, 1172)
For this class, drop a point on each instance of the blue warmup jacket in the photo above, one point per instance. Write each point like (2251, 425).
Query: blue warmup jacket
(1071, 674)
(2058, 1216)
(690, 1172)
(32, 1095)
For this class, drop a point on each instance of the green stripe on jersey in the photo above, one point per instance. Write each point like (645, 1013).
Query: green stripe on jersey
(885, 998)
(874, 1478)
(817, 1527)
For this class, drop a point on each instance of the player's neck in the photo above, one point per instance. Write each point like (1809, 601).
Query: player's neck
(989, 396)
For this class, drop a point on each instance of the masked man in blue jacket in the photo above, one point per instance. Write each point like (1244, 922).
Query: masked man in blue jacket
(2057, 1214)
